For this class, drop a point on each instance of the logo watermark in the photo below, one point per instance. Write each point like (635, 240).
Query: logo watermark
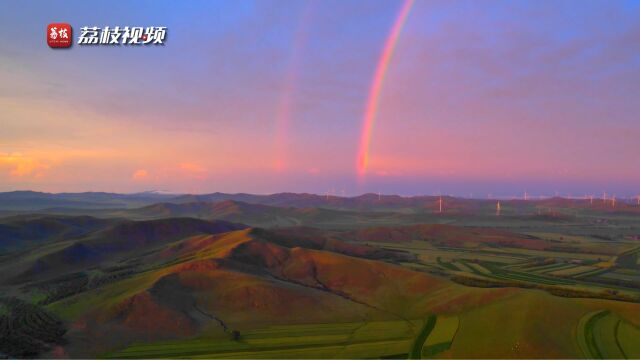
(60, 35)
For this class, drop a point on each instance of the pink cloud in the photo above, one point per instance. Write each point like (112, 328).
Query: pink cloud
(194, 170)
(23, 166)
(140, 175)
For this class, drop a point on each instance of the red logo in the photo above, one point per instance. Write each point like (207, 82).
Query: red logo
(59, 35)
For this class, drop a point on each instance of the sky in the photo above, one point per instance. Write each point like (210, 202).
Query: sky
(268, 96)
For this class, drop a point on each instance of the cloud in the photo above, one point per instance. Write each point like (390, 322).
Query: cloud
(191, 167)
(19, 165)
(140, 175)
(194, 170)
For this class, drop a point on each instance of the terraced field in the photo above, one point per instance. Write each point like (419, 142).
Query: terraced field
(498, 272)
(576, 271)
(573, 271)
(604, 335)
(622, 275)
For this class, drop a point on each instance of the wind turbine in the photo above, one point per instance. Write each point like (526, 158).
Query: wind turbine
(498, 208)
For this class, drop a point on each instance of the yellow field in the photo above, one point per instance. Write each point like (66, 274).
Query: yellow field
(442, 336)
(603, 334)
(531, 324)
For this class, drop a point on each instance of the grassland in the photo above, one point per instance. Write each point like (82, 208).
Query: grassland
(342, 340)
(627, 336)
(604, 335)
(560, 287)
(376, 339)
(441, 337)
(530, 324)
(419, 341)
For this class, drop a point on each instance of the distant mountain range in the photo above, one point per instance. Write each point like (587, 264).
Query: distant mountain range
(32, 200)
(282, 207)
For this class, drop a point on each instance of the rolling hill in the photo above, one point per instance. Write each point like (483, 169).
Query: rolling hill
(268, 276)
(20, 232)
(34, 201)
(243, 279)
(258, 214)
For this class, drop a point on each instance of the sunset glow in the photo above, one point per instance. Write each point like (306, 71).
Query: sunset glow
(408, 97)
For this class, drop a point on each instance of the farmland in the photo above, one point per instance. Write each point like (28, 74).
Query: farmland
(602, 334)
(400, 283)
(397, 339)
(591, 266)
(345, 340)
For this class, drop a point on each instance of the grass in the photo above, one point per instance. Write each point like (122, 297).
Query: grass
(430, 255)
(628, 336)
(483, 326)
(442, 336)
(547, 253)
(418, 343)
(596, 272)
(447, 265)
(586, 339)
(619, 275)
(106, 296)
(575, 270)
(344, 340)
(604, 335)
(527, 324)
(551, 267)
(500, 273)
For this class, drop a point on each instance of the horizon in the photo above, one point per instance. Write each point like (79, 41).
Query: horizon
(526, 196)
(404, 97)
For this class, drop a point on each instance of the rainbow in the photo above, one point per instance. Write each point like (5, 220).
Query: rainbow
(285, 107)
(371, 108)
